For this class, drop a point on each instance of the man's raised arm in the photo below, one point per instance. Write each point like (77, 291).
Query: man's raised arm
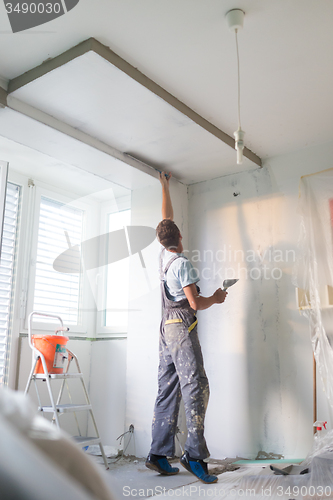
(167, 210)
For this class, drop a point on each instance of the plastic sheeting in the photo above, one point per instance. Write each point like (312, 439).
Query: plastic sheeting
(313, 275)
(312, 479)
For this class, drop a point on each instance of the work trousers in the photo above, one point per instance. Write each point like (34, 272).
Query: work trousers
(181, 373)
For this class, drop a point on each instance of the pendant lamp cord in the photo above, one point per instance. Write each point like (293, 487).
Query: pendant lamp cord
(238, 71)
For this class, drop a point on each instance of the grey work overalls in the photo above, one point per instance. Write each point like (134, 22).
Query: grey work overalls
(181, 373)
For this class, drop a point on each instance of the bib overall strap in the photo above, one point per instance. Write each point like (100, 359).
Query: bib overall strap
(163, 272)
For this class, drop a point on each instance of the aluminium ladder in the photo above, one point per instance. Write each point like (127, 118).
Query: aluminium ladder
(56, 407)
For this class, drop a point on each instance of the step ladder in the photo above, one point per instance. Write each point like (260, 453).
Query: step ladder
(55, 406)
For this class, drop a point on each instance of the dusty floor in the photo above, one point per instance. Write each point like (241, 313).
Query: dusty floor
(128, 477)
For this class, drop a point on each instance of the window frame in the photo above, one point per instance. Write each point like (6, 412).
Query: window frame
(3, 188)
(9, 336)
(23, 286)
(102, 330)
(82, 328)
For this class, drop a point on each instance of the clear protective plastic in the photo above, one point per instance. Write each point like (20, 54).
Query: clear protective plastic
(313, 274)
(313, 279)
(312, 479)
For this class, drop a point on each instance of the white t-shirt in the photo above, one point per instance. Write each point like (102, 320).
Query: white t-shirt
(181, 273)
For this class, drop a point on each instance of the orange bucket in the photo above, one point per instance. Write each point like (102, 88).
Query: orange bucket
(53, 348)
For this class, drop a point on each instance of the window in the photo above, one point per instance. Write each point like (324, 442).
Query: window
(73, 273)
(7, 270)
(60, 229)
(55, 225)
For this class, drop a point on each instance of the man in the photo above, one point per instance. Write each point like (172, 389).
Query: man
(181, 371)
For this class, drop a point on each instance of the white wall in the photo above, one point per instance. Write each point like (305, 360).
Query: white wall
(145, 315)
(107, 388)
(256, 346)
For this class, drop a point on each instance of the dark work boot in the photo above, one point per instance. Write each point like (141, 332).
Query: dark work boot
(198, 468)
(160, 464)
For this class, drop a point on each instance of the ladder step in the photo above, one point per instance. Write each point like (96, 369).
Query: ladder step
(57, 376)
(65, 408)
(86, 441)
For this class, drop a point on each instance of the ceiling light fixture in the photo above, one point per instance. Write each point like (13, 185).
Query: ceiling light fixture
(235, 19)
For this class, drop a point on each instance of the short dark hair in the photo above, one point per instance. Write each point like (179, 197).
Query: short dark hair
(168, 234)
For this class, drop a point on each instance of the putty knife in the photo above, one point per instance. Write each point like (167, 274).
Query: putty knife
(228, 283)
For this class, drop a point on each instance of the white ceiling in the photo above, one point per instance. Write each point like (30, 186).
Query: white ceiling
(185, 46)
(46, 145)
(92, 95)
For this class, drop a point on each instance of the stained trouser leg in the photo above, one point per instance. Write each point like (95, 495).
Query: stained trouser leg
(185, 350)
(166, 406)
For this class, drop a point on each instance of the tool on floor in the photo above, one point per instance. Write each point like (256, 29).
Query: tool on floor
(228, 283)
(289, 470)
(283, 472)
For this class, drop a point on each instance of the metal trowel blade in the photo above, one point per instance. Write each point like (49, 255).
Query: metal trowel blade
(228, 283)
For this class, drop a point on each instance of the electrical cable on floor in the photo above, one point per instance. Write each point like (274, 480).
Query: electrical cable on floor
(128, 443)
(131, 432)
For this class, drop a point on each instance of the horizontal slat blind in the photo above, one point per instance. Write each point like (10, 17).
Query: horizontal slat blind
(55, 292)
(7, 270)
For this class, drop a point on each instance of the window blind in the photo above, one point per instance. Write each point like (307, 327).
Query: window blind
(7, 270)
(57, 293)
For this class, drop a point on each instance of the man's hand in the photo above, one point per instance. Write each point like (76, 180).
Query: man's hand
(219, 296)
(165, 178)
(199, 303)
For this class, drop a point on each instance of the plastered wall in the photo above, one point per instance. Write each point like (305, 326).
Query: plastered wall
(256, 346)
